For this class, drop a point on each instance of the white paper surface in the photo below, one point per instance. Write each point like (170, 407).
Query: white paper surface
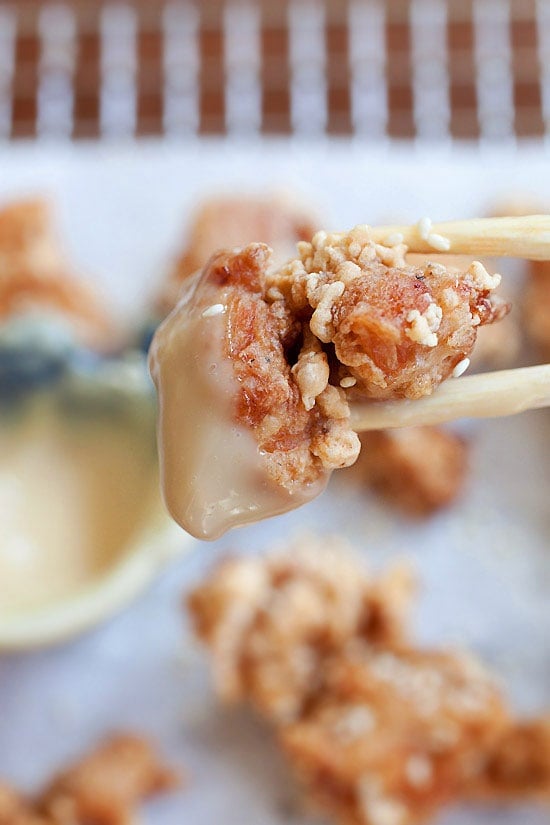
(484, 566)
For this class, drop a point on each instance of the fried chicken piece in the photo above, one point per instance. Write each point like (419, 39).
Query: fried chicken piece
(395, 735)
(536, 306)
(230, 222)
(14, 810)
(419, 470)
(270, 623)
(275, 350)
(399, 330)
(380, 732)
(34, 274)
(101, 789)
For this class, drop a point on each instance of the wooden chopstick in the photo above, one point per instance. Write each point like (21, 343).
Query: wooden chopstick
(521, 237)
(489, 395)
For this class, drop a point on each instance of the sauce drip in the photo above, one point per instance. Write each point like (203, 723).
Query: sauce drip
(213, 473)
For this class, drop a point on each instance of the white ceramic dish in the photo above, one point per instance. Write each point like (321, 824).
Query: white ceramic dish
(144, 559)
(83, 527)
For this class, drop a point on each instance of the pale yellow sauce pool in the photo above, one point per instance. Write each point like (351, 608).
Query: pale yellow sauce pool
(73, 495)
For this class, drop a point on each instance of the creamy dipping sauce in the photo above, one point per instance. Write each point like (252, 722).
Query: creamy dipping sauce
(213, 472)
(74, 492)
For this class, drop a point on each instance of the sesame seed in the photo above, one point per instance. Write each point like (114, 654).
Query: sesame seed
(424, 227)
(348, 381)
(461, 367)
(215, 309)
(395, 239)
(439, 242)
(418, 770)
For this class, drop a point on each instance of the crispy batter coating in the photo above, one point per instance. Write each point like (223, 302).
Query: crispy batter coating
(261, 338)
(230, 222)
(497, 345)
(399, 330)
(35, 275)
(419, 470)
(396, 735)
(347, 311)
(101, 789)
(536, 306)
(271, 622)
(379, 731)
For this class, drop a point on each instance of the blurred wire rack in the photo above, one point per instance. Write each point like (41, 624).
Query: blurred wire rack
(427, 69)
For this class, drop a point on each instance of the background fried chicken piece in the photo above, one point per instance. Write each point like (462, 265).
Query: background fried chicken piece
(34, 274)
(103, 788)
(14, 810)
(417, 469)
(379, 731)
(271, 622)
(395, 734)
(231, 222)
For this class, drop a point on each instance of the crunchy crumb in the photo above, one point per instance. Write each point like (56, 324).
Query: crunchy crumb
(231, 222)
(423, 327)
(35, 275)
(311, 370)
(497, 345)
(101, 789)
(418, 469)
(270, 623)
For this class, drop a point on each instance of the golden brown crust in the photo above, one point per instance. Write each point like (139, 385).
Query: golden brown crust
(348, 313)
(270, 623)
(103, 788)
(261, 339)
(396, 735)
(231, 222)
(35, 275)
(497, 345)
(399, 330)
(419, 470)
(380, 732)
